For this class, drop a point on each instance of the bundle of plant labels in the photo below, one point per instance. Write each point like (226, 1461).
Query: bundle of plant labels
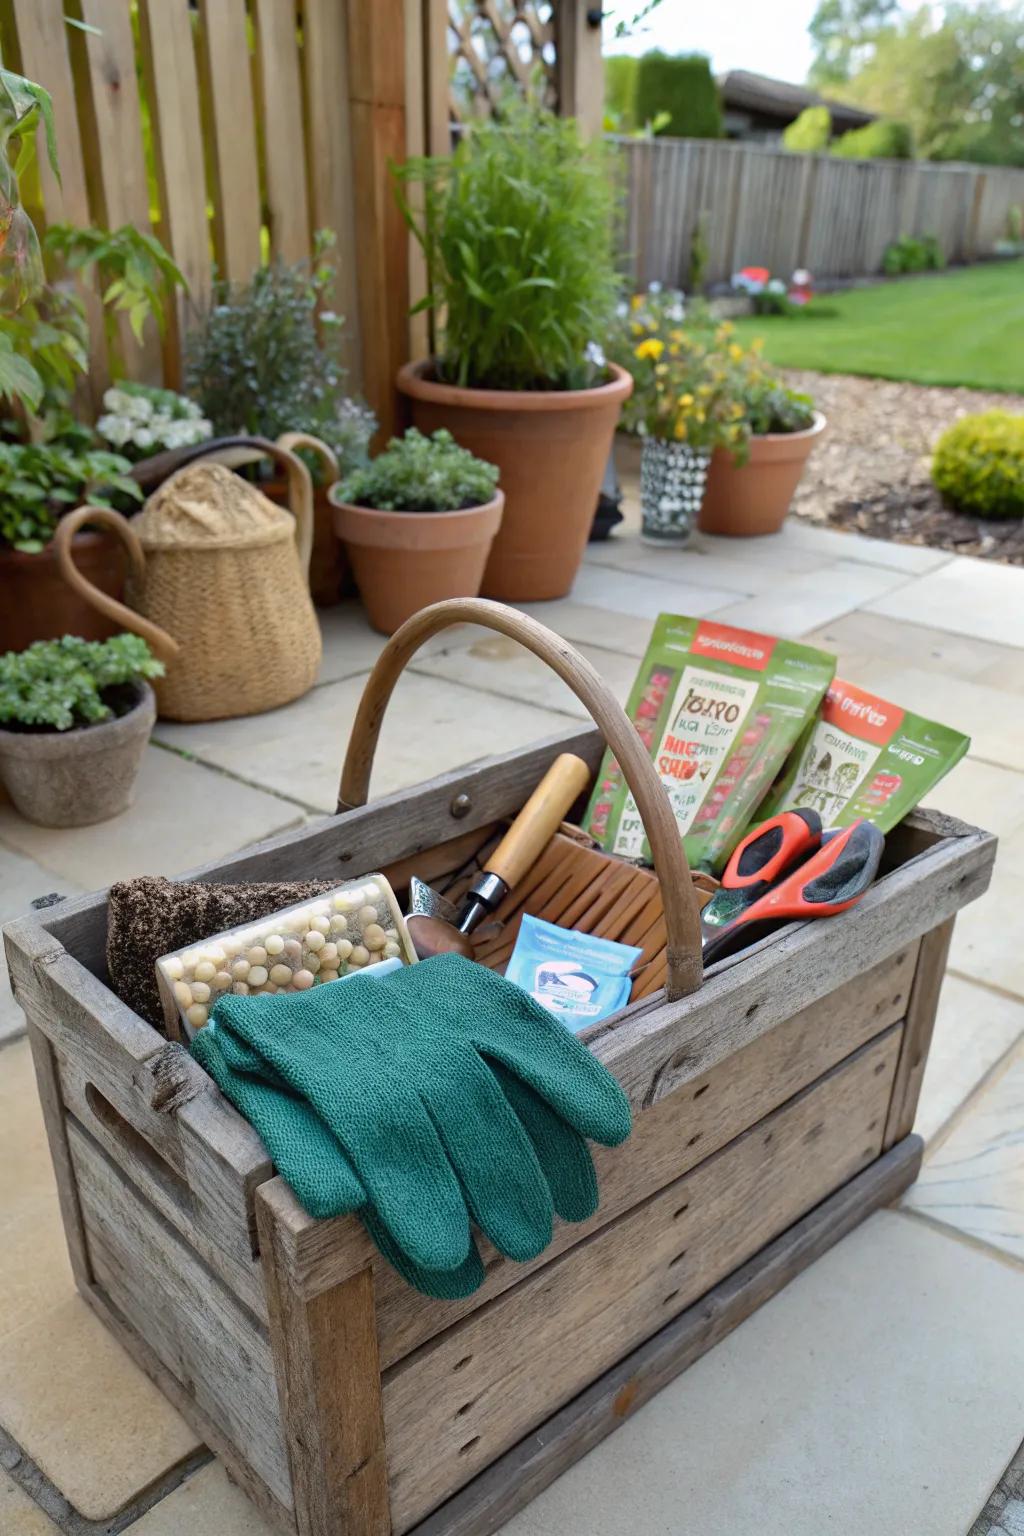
(864, 757)
(719, 710)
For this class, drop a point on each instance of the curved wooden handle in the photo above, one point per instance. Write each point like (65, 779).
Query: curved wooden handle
(164, 647)
(539, 819)
(682, 919)
(300, 485)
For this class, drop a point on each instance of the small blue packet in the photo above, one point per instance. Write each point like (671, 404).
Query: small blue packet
(576, 976)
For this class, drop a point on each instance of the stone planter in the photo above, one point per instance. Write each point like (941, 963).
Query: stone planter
(744, 500)
(672, 480)
(77, 777)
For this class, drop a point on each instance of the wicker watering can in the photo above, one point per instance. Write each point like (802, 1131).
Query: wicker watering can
(217, 584)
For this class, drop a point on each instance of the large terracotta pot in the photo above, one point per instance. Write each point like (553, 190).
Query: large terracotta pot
(550, 447)
(742, 500)
(36, 602)
(403, 561)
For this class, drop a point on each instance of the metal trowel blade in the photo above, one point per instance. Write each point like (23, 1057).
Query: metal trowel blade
(424, 901)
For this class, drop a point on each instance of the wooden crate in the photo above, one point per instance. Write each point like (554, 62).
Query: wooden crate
(773, 1110)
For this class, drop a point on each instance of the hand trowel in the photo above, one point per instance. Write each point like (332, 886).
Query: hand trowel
(436, 925)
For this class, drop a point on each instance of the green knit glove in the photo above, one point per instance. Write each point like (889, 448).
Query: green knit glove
(403, 1073)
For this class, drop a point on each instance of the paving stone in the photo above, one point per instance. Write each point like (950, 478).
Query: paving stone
(797, 604)
(837, 544)
(1011, 1521)
(996, 731)
(183, 815)
(988, 940)
(982, 795)
(502, 665)
(706, 564)
(590, 625)
(974, 1030)
(645, 596)
(969, 597)
(21, 882)
(207, 1504)
(974, 1180)
(20, 1515)
(868, 1397)
(431, 725)
(627, 550)
(351, 646)
(859, 639)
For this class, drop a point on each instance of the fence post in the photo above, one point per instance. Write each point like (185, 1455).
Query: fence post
(376, 57)
(580, 68)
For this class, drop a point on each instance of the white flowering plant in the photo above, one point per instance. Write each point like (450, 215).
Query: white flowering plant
(140, 420)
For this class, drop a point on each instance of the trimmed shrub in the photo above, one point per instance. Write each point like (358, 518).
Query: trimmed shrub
(683, 87)
(620, 91)
(979, 464)
(809, 133)
(882, 140)
(913, 253)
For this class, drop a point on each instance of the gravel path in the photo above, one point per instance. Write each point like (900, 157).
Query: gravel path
(871, 471)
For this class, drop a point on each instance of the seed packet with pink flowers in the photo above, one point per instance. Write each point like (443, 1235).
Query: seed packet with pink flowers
(864, 757)
(719, 709)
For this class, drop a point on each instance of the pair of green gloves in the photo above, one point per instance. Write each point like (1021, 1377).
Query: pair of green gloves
(434, 1097)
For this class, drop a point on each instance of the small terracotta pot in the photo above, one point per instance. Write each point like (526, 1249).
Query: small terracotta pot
(77, 777)
(550, 447)
(743, 500)
(41, 606)
(404, 560)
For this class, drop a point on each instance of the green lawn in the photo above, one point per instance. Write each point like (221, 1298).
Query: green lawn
(964, 327)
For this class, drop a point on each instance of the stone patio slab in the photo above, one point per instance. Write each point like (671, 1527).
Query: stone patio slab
(797, 604)
(432, 725)
(20, 1515)
(969, 597)
(780, 551)
(839, 544)
(705, 564)
(988, 940)
(974, 1181)
(996, 732)
(860, 639)
(976, 790)
(586, 624)
(183, 815)
(207, 1504)
(501, 665)
(974, 1030)
(645, 596)
(867, 1399)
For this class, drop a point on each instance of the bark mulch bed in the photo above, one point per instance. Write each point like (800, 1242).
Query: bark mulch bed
(871, 471)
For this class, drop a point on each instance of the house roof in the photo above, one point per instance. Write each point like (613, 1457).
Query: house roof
(747, 91)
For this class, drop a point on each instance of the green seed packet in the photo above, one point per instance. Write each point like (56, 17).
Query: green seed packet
(718, 709)
(864, 757)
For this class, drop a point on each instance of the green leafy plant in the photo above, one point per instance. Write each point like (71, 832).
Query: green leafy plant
(768, 404)
(422, 474)
(39, 481)
(683, 88)
(978, 464)
(684, 386)
(809, 133)
(60, 685)
(137, 274)
(266, 359)
(24, 106)
(517, 229)
(883, 139)
(913, 253)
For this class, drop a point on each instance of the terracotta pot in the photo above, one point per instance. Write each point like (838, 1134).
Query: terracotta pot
(742, 500)
(551, 447)
(77, 777)
(36, 602)
(404, 560)
(329, 576)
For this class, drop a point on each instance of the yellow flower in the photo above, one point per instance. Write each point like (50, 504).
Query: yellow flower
(704, 389)
(680, 430)
(699, 415)
(661, 369)
(652, 347)
(685, 400)
(636, 301)
(735, 352)
(676, 336)
(637, 328)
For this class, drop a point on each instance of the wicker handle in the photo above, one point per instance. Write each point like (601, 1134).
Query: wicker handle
(163, 645)
(682, 919)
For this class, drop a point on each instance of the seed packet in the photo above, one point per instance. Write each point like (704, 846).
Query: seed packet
(718, 709)
(864, 757)
(576, 976)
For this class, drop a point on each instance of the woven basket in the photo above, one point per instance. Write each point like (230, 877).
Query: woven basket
(218, 587)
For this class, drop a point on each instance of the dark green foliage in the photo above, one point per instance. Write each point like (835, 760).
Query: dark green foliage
(770, 406)
(683, 87)
(881, 140)
(59, 684)
(39, 481)
(422, 474)
(619, 91)
(913, 253)
(843, 33)
(979, 464)
(699, 255)
(517, 230)
(810, 132)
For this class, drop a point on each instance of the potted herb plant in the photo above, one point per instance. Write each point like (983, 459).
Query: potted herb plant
(751, 483)
(683, 408)
(517, 230)
(39, 482)
(75, 716)
(418, 523)
(139, 421)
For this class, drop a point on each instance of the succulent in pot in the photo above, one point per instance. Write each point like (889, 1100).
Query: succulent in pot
(517, 227)
(75, 716)
(418, 522)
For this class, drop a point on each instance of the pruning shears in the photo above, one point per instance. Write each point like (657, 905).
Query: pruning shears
(786, 870)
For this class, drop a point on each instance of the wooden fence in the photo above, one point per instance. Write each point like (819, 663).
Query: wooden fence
(766, 207)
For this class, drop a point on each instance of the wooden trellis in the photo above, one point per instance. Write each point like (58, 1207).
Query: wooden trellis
(499, 48)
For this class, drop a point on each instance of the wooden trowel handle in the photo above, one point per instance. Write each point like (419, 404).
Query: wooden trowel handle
(539, 819)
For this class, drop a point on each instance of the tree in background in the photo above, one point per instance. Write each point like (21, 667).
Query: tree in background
(809, 134)
(620, 91)
(885, 139)
(844, 33)
(679, 90)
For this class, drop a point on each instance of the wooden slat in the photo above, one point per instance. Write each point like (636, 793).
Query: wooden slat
(172, 87)
(283, 139)
(924, 1002)
(236, 194)
(454, 1406)
(416, 129)
(44, 1062)
(516, 1478)
(438, 76)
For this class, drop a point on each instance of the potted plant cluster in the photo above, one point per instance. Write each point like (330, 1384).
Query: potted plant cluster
(139, 420)
(75, 716)
(418, 522)
(751, 482)
(517, 229)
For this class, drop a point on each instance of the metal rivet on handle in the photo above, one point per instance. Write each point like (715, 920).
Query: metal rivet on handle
(461, 806)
